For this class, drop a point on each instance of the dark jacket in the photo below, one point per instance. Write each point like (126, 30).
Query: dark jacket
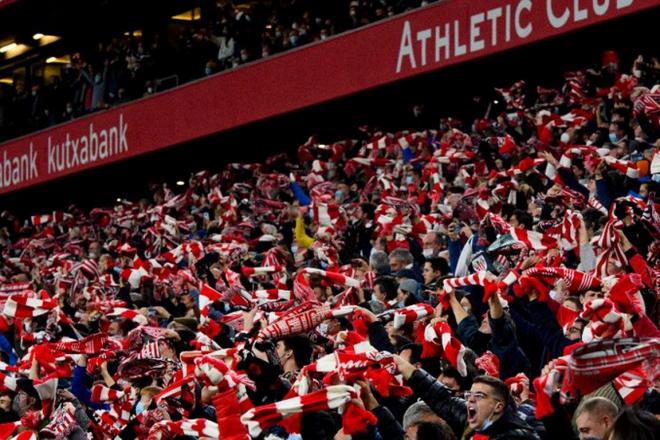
(379, 339)
(551, 335)
(503, 343)
(358, 240)
(454, 411)
(388, 427)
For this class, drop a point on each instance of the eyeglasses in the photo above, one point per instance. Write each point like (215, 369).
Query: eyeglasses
(478, 395)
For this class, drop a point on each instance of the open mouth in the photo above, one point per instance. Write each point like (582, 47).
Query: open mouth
(471, 414)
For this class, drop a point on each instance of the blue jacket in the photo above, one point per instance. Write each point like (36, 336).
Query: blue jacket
(81, 391)
(7, 348)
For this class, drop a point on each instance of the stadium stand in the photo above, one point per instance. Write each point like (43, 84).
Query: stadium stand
(484, 277)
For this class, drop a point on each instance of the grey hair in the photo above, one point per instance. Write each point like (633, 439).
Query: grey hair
(402, 255)
(417, 413)
(378, 260)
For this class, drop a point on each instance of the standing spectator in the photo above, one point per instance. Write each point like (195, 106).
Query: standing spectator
(226, 49)
(54, 98)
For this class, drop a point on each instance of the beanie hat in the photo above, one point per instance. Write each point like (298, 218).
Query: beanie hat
(409, 286)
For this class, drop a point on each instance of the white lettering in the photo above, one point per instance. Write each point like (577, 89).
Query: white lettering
(600, 9)
(6, 170)
(493, 15)
(51, 157)
(556, 21)
(60, 153)
(476, 43)
(620, 4)
(123, 128)
(93, 144)
(422, 36)
(84, 150)
(578, 14)
(34, 173)
(74, 152)
(507, 23)
(406, 48)
(16, 170)
(459, 49)
(113, 141)
(441, 42)
(523, 32)
(103, 146)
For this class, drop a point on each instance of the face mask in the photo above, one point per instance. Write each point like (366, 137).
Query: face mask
(323, 36)
(564, 138)
(208, 70)
(282, 359)
(613, 137)
(339, 195)
(244, 58)
(487, 423)
(323, 328)
(294, 249)
(428, 253)
(139, 407)
(150, 90)
(409, 180)
(293, 39)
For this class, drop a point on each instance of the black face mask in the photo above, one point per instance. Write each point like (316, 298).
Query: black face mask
(261, 372)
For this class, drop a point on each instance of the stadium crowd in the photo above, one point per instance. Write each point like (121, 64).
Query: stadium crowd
(493, 279)
(128, 67)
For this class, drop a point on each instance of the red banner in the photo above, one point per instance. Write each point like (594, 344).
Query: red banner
(420, 41)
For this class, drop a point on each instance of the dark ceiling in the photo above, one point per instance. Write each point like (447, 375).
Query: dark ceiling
(80, 21)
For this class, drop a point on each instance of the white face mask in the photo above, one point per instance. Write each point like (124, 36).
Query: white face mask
(564, 138)
(487, 423)
(323, 328)
(428, 253)
(139, 407)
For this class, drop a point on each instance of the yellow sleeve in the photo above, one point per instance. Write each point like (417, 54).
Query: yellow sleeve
(302, 238)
